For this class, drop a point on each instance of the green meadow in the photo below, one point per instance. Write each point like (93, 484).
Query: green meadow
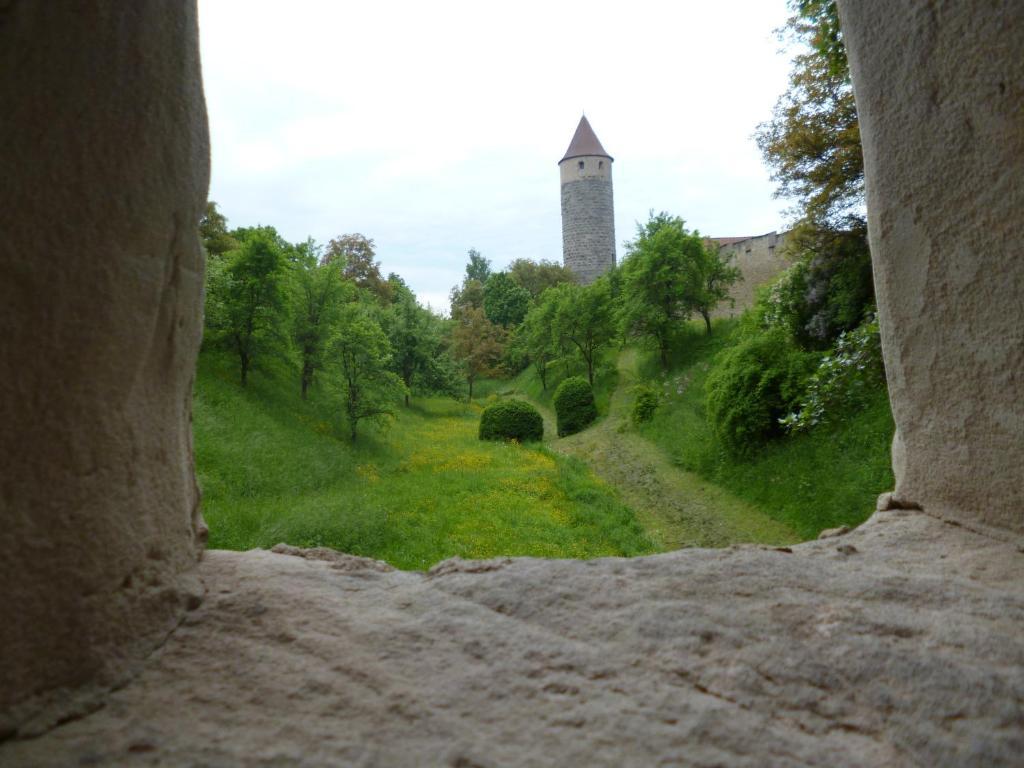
(274, 468)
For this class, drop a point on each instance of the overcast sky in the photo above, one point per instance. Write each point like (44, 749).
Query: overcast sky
(435, 127)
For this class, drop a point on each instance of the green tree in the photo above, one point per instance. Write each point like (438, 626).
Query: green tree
(585, 319)
(656, 281)
(538, 335)
(245, 299)
(317, 295)
(478, 268)
(812, 145)
(469, 295)
(478, 344)
(414, 335)
(538, 276)
(709, 275)
(361, 355)
(213, 231)
(505, 302)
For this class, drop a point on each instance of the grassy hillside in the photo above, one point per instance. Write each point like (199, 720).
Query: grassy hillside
(274, 468)
(821, 479)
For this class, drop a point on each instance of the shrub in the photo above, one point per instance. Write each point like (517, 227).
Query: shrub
(827, 290)
(574, 405)
(511, 420)
(644, 404)
(845, 381)
(752, 386)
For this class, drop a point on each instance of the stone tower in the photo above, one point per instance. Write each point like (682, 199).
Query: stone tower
(588, 215)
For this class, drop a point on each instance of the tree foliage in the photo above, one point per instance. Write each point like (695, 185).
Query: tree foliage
(417, 338)
(539, 337)
(245, 298)
(656, 288)
(361, 356)
(478, 345)
(584, 319)
(710, 276)
(537, 276)
(213, 231)
(357, 255)
(752, 386)
(812, 143)
(478, 268)
(505, 302)
(470, 293)
(317, 294)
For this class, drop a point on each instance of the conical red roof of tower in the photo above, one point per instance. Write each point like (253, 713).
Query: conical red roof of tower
(584, 142)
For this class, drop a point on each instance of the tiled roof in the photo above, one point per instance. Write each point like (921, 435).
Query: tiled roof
(584, 142)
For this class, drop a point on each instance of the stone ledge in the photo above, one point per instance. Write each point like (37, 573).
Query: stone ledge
(899, 642)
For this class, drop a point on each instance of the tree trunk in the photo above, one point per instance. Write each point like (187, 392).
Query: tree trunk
(707, 320)
(590, 371)
(245, 369)
(470, 390)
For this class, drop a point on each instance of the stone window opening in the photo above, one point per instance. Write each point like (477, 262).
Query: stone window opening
(878, 614)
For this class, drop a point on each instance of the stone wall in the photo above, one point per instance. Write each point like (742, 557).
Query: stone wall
(104, 162)
(760, 260)
(939, 89)
(588, 220)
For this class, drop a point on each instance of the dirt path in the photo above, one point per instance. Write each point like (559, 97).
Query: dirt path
(676, 507)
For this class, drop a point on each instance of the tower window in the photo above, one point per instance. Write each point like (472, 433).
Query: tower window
(581, 165)
(600, 164)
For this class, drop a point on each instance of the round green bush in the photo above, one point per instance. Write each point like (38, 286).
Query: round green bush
(645, 404)
(574, 405)
(511, 420)
(752, 386)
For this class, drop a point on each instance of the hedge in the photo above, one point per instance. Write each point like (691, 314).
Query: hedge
(574, 405)
(511, 420)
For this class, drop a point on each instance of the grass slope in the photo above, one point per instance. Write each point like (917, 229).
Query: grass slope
(677, 508)
(827, 477)
(274, 468)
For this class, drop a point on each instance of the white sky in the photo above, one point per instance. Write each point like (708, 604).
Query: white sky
(435, 127)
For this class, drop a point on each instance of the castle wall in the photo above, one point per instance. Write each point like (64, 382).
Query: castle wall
(588, 218)
(760, 260)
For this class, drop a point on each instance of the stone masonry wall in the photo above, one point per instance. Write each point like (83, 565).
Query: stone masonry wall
(760, 260)
(588, 227)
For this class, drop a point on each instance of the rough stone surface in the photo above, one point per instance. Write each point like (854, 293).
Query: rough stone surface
(898, 644)
(760, 260)
(940, 94)
(588, 218)
(103, 162)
